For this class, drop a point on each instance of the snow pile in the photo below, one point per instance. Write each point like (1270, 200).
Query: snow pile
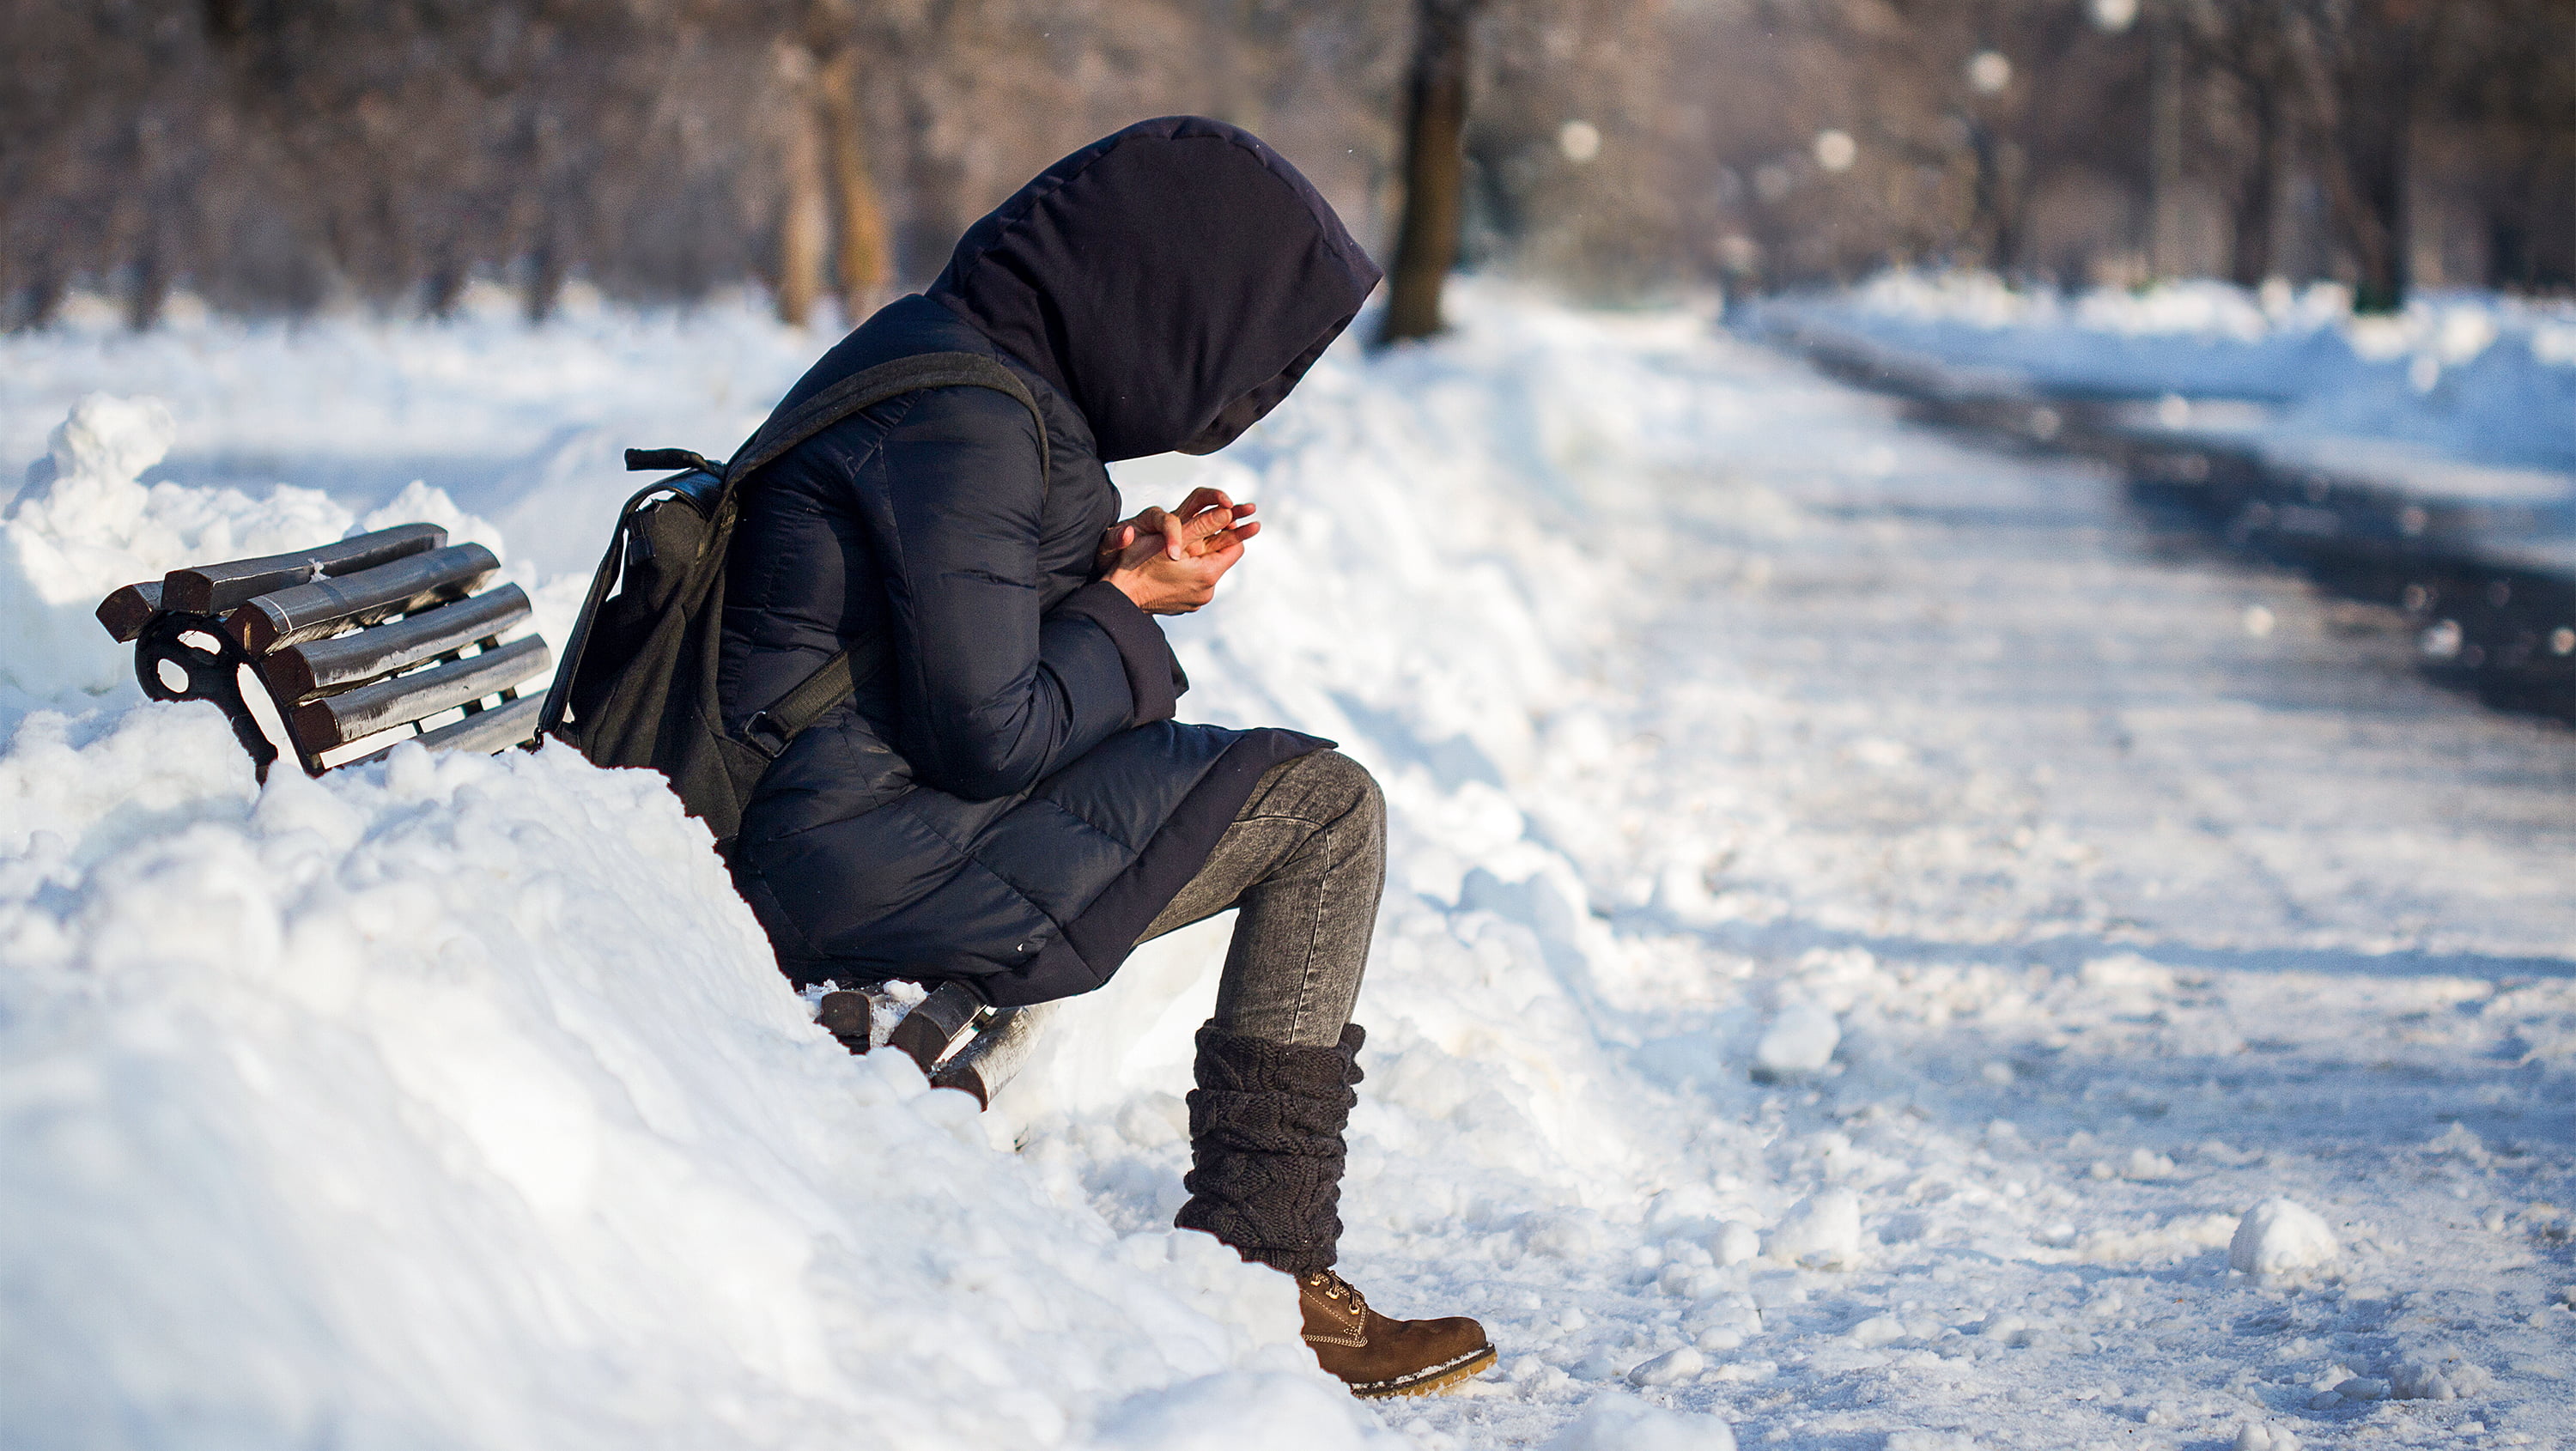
(492, 411)
(1800, 1040)
(1822, 1230)
(452, 1102)
(2437, 1377)
(2280, 1237)
(2470, 377)
(86, 524)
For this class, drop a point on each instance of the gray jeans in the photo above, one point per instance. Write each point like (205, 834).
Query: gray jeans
(1304, 863)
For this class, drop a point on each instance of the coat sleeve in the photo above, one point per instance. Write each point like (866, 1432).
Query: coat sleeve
(995, 696)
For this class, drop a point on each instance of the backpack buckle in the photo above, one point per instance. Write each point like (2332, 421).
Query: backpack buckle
(766, 734)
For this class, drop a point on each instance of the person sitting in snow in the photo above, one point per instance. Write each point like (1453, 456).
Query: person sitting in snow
(1011, 805)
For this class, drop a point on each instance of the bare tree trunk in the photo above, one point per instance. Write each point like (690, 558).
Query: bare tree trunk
(2164, 145)
(1435, 125)
(2373, 202)
(804, 221)
(2258, 198)
(859, 258)
(1994, 198)
(2363, 75)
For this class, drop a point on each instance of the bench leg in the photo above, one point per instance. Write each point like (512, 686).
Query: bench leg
(213, 675)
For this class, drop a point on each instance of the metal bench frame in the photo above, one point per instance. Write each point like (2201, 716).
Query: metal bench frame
(349, 640)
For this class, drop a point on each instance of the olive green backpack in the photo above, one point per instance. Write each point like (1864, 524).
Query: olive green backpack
(637, 686)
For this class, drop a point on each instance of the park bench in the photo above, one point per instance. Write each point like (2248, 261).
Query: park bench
(352, 644)
(958, 1040)
(357, 645)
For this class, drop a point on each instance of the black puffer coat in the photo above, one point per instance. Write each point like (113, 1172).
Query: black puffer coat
(1011, 802)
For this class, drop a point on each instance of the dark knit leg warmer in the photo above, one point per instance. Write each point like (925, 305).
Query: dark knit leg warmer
(1266, 1146)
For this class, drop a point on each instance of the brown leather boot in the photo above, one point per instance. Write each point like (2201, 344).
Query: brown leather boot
(1376, 1356)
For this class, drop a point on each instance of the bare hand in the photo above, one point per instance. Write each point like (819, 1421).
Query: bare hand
(1168, 561)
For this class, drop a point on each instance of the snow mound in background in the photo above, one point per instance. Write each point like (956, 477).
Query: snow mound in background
(2469, 376)
(85, 525)
(2281, 1236)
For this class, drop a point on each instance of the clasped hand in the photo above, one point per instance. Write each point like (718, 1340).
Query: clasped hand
(1169, 560)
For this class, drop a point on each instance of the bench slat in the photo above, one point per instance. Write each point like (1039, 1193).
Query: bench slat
(211, 589)
(336, 720)
(127, 611)
(325, 606)
(297, 673)
(487, 731)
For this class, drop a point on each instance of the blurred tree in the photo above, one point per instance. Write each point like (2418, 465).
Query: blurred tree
(2364, 63)
(1435, 132)
(2246, 47)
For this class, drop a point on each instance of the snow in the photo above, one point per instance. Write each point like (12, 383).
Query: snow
(1821, 1230)
(1619, 1424)
(455, 1103)
(2279, 1237)
(2463, 394)
(1800, 1040)
(85, 523)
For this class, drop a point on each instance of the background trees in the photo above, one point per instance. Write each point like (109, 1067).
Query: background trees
(2375, 141)
(279, 155)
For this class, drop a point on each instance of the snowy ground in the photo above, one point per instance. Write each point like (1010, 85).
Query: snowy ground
(1869, 919)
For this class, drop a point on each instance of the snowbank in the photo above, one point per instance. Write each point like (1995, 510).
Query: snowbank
(2471, 377)
(85, 523)
(455, 1101)
(450, 1103)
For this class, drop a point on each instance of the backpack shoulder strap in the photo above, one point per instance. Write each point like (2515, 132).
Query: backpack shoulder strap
(782, 720)
(871, 386)
(771, 728)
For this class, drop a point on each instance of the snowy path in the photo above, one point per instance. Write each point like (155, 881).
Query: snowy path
(1722, 717)
(2147, 886)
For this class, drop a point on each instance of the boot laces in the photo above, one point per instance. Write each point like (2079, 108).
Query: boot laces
(1335, 1288)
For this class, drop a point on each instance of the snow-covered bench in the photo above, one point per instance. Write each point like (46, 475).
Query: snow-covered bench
(959, 1042)
(361, 638)
(351, 642)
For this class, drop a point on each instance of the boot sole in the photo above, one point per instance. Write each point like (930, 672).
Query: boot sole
(1429, 1381)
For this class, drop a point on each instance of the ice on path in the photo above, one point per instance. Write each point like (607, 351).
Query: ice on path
(2280, 1236)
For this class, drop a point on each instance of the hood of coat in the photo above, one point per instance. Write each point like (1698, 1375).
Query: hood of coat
(1175, 279)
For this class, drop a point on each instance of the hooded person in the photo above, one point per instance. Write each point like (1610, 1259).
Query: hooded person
(1009, 803)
